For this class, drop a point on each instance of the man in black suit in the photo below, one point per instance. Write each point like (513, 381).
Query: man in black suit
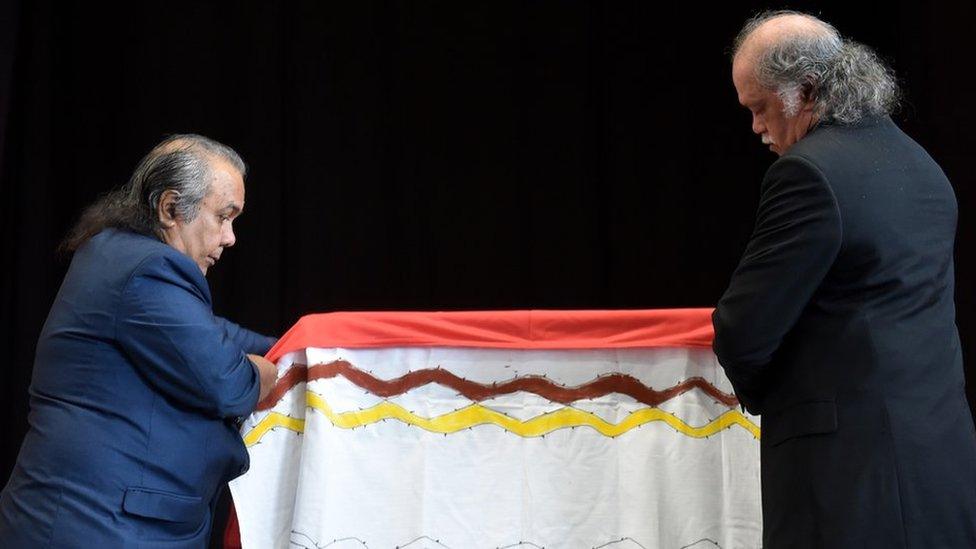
(839, 325)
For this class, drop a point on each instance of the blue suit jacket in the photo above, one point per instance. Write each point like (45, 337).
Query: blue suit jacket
(135, 389)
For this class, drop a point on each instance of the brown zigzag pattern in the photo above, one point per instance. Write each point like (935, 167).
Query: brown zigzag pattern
(542, 386)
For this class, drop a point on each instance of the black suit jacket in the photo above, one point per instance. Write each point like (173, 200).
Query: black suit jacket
(839, 328)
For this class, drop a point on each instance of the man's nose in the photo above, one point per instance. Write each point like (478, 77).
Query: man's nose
(758, 127)
(227, 238)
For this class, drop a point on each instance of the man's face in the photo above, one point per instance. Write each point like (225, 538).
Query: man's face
(769, 121)
(205, 238)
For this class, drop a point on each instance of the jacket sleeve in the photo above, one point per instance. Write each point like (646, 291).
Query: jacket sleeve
(166, 326)
(251, 342)
(795, 241)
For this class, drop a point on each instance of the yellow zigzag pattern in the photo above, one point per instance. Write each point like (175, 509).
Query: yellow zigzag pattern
(477, 414)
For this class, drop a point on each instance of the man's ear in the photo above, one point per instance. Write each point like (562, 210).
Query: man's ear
(808, 92)
(166, 210)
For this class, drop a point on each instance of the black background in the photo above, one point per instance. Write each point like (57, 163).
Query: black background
(431, 155)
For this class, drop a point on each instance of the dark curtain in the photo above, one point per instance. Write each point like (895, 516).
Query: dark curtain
(431, 155)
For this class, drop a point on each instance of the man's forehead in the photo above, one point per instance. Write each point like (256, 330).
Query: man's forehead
(744, 79)
(227, 194)
(225, 205)
(741, 70)
(226, 186)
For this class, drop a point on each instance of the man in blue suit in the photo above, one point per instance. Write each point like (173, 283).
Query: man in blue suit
(839, 325)
(136, 384)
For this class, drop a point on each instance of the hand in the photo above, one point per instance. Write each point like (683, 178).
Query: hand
(267, 371)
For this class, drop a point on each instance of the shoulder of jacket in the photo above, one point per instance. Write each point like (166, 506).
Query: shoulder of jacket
(798, 159)
(815, 149)
(150, 256)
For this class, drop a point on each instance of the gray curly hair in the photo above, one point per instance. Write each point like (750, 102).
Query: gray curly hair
(848, 81)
